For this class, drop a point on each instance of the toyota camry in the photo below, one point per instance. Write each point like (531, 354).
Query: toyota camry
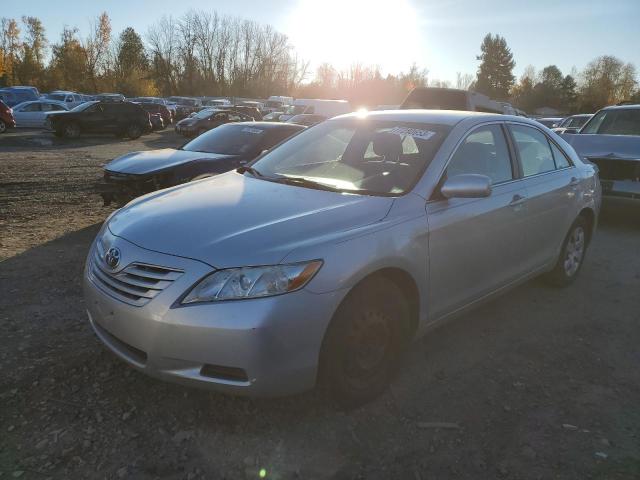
(322, 260)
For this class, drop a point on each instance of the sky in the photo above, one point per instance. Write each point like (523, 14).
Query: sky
(442, 36)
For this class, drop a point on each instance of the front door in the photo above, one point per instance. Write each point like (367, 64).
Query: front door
(475, 244)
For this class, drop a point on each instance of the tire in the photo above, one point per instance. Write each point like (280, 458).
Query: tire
(71, 130)
(3, 126)
(364, 342)
(572, 255)
(134, 131)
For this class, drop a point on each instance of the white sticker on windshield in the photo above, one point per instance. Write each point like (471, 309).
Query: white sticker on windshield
(414, 132)
(256, 131)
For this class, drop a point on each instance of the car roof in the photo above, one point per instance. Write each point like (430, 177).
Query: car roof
(443, 117)
(270, 125)
(630, 106)
(41, 100)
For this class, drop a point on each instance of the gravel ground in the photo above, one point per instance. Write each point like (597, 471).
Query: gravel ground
(541, 383)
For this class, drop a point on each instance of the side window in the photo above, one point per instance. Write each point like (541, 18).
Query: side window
(561, 159)
(34, 107)
(534, 150)
(483, 152)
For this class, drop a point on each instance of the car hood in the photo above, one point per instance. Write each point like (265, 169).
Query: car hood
(625, 147)
(142, 163)
(236, 220)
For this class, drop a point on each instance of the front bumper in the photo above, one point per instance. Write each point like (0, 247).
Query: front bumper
(270, 346)
(618, 177)
(122, 188)
(621, 188)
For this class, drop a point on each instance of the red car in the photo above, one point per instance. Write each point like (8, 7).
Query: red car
(6, 117)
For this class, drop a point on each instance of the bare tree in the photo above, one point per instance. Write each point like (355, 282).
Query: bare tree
(96, 48)
(464, 80)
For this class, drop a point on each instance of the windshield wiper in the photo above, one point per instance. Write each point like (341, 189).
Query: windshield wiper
(250, 170)
(305, 182)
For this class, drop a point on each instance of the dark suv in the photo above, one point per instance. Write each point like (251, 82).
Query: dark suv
(122, 118)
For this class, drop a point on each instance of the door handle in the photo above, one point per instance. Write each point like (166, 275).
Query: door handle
(517, 200)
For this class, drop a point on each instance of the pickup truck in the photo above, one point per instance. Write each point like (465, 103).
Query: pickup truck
(611, 140)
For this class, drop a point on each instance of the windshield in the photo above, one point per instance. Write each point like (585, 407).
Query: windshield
(203, 113)
(296, 109)
(575, 122)
(227, 139)
(374, 157)
(83, 106)
(624, 121)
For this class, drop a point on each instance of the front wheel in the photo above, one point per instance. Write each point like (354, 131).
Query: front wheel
(3, 126)
(134, 131)
(571, 255)
(364, 342)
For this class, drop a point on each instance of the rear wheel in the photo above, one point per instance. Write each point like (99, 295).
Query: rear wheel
(571, 255)
(134, 131)
(3, 126)
(71, 130)
(364, 342)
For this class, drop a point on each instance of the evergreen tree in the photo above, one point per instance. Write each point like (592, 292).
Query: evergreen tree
(495, 74)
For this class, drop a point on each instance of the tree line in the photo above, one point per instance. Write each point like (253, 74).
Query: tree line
(206, 53)
(199, 53)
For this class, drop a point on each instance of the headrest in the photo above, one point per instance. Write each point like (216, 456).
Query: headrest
(387, 145)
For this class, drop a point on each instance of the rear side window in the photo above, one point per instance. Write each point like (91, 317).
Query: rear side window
(561, 159)
(483, 152)
(534, 150)
(34, 107)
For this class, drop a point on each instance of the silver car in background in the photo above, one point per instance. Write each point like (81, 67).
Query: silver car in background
(323, 259)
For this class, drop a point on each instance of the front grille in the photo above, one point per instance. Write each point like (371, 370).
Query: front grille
(610, 169)
(136, 284)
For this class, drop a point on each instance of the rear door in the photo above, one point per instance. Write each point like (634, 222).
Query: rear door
(92, 119)
(476, 244)
(552, 182)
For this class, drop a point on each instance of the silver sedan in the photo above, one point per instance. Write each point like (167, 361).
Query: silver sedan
(34, 113)
(321, 261)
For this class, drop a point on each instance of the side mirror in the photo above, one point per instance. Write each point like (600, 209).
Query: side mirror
(469, 185)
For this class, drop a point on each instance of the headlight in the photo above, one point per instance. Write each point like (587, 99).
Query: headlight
(252, 282)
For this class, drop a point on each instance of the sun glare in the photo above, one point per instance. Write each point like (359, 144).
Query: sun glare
(343, 32)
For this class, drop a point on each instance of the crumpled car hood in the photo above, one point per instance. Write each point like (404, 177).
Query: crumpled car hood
(236, 220)
(625, 147)
(141, 163)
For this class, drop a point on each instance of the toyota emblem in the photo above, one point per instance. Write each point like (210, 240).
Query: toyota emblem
(112, 257)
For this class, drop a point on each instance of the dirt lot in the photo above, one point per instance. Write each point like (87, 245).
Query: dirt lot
(542, 383)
